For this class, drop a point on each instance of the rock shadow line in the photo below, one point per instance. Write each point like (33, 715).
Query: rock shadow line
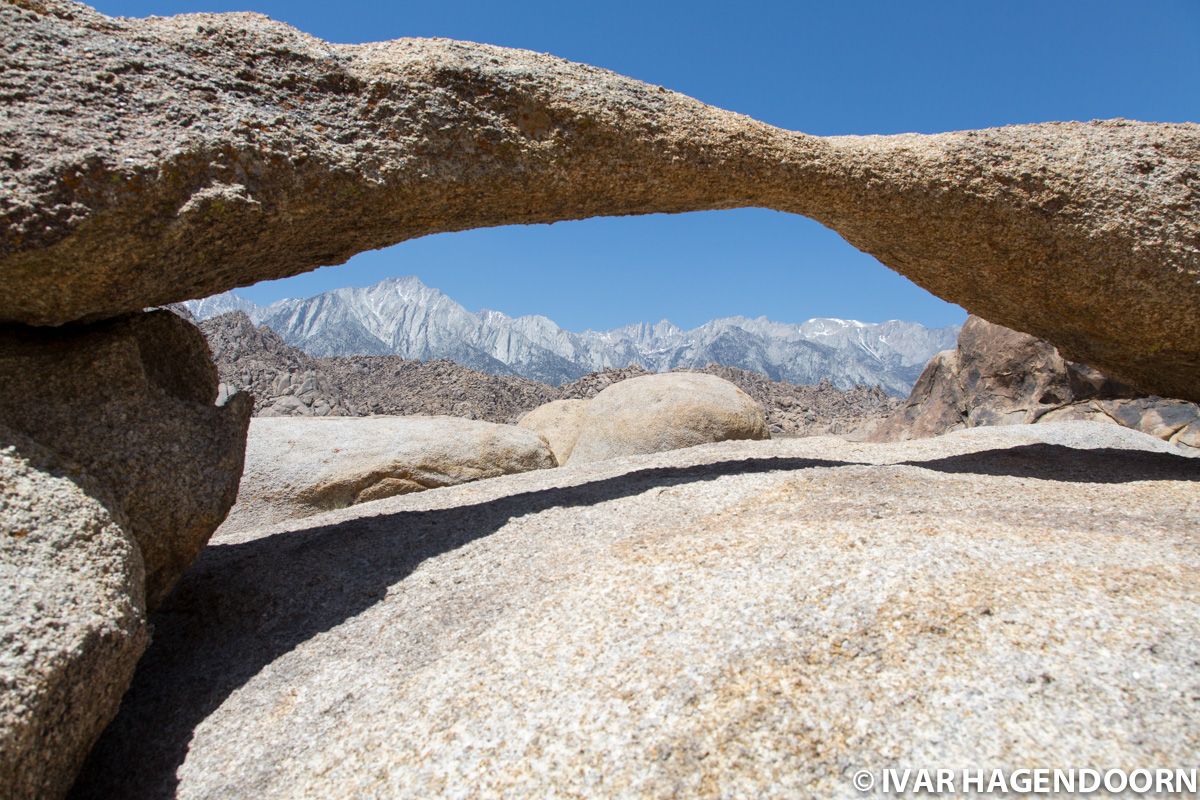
(244, 605)
(1055, 462)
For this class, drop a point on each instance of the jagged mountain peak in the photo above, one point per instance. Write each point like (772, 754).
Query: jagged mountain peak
(403, 316)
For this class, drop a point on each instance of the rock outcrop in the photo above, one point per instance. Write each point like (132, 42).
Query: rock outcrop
(998, 376)
(558, 422)
(130, 402)
(73, 622)
(282, 380)
(152, 161)
(297, 467)
(653, 413)
(744, 619)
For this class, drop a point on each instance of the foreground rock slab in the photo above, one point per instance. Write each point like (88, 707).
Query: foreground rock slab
(997, 376)
(755, 619)
(653, 413)
(298, 466)
(151, 161)
(72, 618)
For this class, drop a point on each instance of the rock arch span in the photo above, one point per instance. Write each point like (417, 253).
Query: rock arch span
(151, 161)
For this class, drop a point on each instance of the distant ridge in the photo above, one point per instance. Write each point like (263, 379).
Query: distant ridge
(402, 316)
(286, 382)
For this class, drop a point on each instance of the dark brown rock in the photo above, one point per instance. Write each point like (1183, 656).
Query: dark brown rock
(130, 402)
(998, 376)
(151, 161)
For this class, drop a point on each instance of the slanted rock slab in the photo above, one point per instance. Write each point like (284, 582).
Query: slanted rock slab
(299, 466)
(742, 619)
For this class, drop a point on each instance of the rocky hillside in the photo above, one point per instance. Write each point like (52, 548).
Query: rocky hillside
(392, 385)
(402, 316)
(285, 381)
(792, 409)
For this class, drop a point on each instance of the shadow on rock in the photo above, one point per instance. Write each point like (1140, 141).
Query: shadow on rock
(244, 605)
(1053, 462)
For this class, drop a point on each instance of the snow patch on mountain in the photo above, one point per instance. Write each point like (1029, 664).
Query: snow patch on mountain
(402, 316)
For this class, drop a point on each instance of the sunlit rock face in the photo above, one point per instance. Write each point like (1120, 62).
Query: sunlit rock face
(741, 619)
(152, 161)
(73, 621)
(997, 376)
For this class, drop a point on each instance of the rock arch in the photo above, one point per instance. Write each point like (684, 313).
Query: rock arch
(151, 161)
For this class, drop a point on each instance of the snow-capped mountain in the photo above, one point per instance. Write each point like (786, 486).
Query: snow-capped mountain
(402, 316)
(220, 304)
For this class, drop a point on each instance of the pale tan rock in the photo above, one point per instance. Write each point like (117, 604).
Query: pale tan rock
(131, 402)
(300, 466)
(653, 413)
(559, 422)
(742, 619)
(150, 161)
(72, 617)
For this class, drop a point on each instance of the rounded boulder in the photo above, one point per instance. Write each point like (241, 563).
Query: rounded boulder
(654, 413)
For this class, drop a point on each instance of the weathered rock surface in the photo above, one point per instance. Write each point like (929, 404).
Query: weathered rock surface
(998, 376)
(297, 467)
(152, 161)
(755, 619)
(130, 402)
(72, 618)
(653, 413)
(559, 422)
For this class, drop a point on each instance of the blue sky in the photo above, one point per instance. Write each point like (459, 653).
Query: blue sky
(820, 67)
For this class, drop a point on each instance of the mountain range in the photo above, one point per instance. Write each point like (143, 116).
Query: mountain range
(402, 316)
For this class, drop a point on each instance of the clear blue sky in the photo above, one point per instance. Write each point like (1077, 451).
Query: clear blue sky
(820, 67)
